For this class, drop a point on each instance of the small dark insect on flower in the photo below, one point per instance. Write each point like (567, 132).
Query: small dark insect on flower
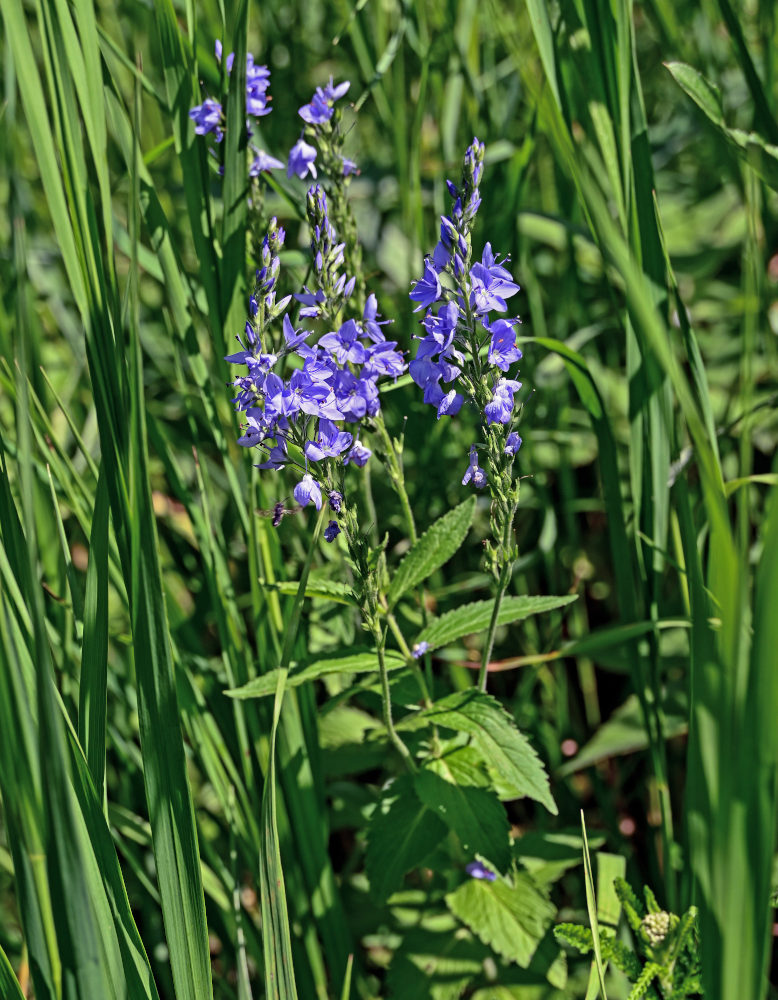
(278, 511)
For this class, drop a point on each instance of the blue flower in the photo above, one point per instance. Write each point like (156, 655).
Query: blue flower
(208, 117)
(334, 93)
(301, 158)
(345, 344)
(370, 321)
(308, 491)
(257, 82)
(450, 404)
(359, 455)
(311, 302)
(320, 109)
(384, 360)
(349, 167)
(262, 161)
(474, 471)
(500, 407)
(492, 284)
(477, 870)
(336, 501)
(427, 289)
(329, 443)
(217, 45)
(331, 532)
(512, 444)
(419, 649)
(503, 351)
(277, 456)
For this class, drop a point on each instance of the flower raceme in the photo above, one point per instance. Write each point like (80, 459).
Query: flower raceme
(305, 402)
(319, 116)
(209, 117)
(466, 352)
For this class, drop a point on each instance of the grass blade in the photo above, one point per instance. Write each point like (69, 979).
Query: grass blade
(94, 657)
(591, 906)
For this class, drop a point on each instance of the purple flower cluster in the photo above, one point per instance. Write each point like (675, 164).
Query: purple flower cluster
(209, 116)
(313, 416)
(318, 115)
(460, 296)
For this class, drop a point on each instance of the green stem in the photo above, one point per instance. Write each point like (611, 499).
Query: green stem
(502, 586)
(406, 651)
(290, 633)
(380, 641)
(394, 469)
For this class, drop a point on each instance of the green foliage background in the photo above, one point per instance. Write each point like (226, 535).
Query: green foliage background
(133, 562)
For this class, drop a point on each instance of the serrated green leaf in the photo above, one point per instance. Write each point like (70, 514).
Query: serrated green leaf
(435, 547)
(513, 765)
(402, 832)
(355, 663)
(327, 590)
(510, 919)
(475, 617)
(475, 815)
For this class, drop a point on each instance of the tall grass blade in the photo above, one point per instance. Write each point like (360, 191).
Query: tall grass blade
(94, 658)
(276, 942)
(9, 984)
(164, 765)
(591, 906)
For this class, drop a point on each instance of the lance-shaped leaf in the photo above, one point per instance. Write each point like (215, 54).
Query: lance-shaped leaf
(362, 662)
(475, 617)
(435, 547)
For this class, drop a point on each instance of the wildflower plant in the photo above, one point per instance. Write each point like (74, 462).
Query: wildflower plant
(314, 362)
(470, 348)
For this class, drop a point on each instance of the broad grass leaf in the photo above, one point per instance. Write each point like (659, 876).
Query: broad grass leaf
(511, 919)
(476, 815)
(706, 95)
(435, 547)
(475, 617)
(761, 155)
(624, 732)
(402, 832)
(515, 768)
(362, 662)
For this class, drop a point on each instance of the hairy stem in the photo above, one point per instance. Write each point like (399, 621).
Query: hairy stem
(380, 641)
(394, 468)
(412, 662)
